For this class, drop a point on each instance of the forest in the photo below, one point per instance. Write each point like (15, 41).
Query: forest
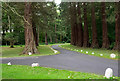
(83, 24)
(69, 40)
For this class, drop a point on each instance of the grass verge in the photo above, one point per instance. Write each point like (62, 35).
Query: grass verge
(28, 72)
(97, 52)
(15, 52)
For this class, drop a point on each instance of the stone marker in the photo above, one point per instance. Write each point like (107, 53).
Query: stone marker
(81, 50)
(112, 55)
(101, 54)
(9, 63)
(108, 73)
(55, 51)
(86, 51)
(34, 64)
(29, 53)
(92, 52)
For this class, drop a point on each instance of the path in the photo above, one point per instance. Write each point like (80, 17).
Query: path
(69, 60)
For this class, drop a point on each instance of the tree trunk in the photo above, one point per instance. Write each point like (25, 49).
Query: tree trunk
(73, 23)
(105, 43)
(86, 34)
(46, 42)
(117, 28)
(94, 29)
(30, 45)
(11, 44)
(55, 35)
(80, 30)
(35, 33)
(71, 18)
(60, 38)
(51, 39)
(38, 36)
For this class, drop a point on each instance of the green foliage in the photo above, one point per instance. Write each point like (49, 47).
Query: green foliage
(46, 15)
(11, 37)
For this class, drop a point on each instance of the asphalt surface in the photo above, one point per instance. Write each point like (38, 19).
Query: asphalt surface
(68, 60)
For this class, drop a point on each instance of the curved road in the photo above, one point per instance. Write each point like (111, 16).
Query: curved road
(69, 60)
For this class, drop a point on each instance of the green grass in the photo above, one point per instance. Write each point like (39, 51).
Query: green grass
(15, 52)
(97, 52)
(28, 72)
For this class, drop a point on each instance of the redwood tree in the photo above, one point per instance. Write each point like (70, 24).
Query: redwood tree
(55, 35)
(46, 42)
(72, 24)
(75, 24)
(105, 43)
(30, 45)
(35, 33)
(94, 29)
(86, 34)
(117, 28)
(80, 30)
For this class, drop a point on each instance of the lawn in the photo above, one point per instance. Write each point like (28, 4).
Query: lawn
(15, 52)
(28, 72)
(97, 52)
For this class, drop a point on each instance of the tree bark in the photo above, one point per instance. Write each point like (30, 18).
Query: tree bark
(11, 44)
(35, 33)
(46, 42)
(55, 35)
(94, 29)
(80, 30)
(86, 34)
(75, 25)
(30, 45)
(73, 22)
(117, 28)
(51, 39)
(38, 36)
(105, 43)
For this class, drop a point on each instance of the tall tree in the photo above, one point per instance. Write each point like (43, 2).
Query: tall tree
(75, 25)
(46, 40)
(72, 23)
(105, 43)
(86, 34)
(80, 30)
(94, 29)
(55, 34)
(35, 33)
(30, 45)
(117, 27)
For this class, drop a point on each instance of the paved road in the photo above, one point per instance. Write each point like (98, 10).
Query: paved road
(69, 60)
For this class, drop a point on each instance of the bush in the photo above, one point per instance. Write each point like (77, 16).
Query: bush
(11, 38)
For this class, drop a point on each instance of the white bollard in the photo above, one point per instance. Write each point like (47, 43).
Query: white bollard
(101, 54)
(108, 73)
(93, 53)
(81, 50)
(34, 64)
(55, 51)
(68, 76)
(86, 51)
(9, 63)
(29, 53)
(112, 55)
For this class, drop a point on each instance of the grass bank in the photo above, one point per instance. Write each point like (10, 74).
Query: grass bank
(28, 72)
(97, 52)
(15, 52)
